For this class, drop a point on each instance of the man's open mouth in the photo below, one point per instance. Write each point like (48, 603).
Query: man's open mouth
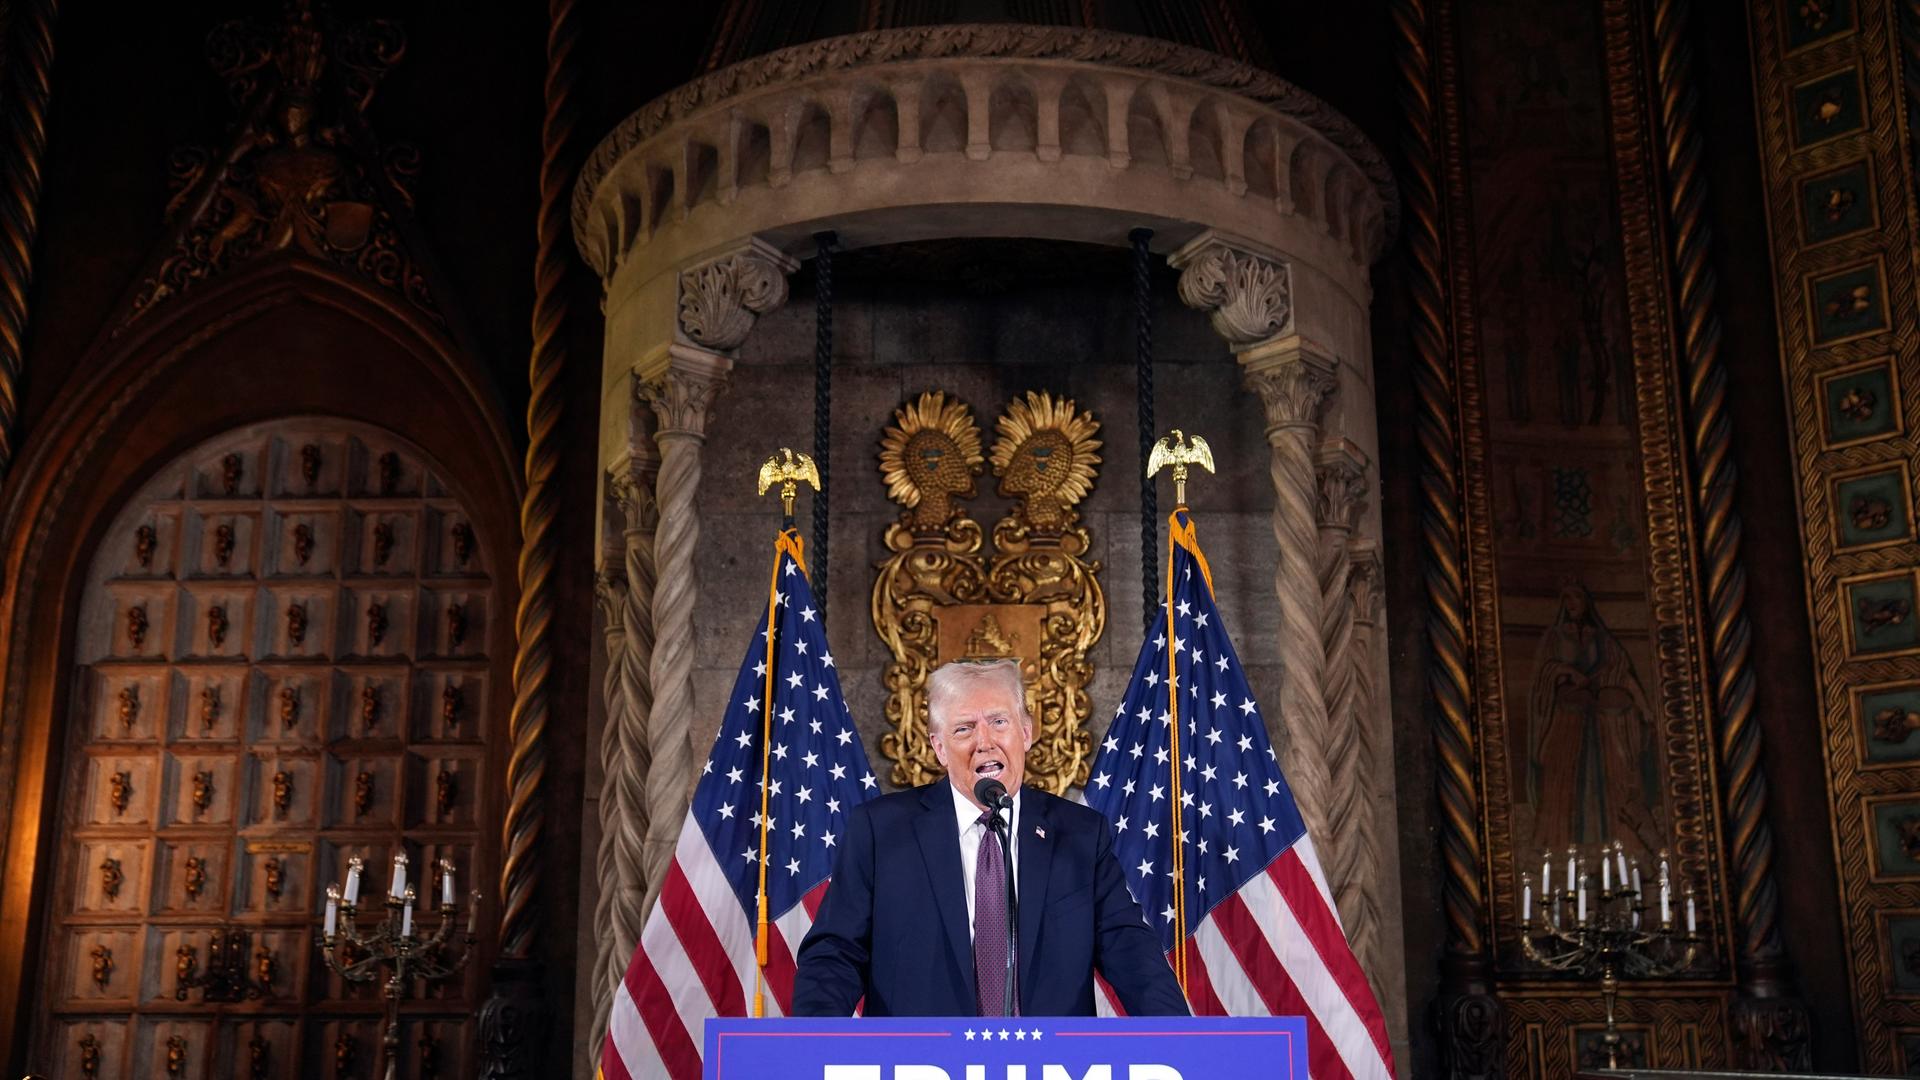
(988, 768)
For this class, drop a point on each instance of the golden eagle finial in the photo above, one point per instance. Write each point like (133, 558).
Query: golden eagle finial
(787, 469)
(1179, 450)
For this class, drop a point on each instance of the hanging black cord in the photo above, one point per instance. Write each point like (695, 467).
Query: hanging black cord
(1143, 355)
(822, 405)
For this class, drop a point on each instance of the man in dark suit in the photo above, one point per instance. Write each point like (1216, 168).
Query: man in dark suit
(915, 920)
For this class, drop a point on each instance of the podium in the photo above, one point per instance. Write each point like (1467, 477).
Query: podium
(997, 1048)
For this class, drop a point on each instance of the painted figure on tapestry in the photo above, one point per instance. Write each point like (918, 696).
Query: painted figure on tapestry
(1592, 770)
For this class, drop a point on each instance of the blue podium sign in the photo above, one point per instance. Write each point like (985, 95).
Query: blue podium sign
(1031, 1048)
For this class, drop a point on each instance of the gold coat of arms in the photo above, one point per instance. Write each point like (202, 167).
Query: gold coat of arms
(942, 596)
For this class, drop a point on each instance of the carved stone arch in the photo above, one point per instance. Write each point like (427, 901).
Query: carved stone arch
(287, 337)
(1083, 117)
(943, 114)
(1261, 150)
(1147, 128)
(702, 170)
(1306, 171)
(812, 137)
(1013, 114)
(1206, 149)
(660, 191)
(876, 130)
(752, 152)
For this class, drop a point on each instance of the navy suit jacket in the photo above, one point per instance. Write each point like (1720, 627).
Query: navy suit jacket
(893, 926)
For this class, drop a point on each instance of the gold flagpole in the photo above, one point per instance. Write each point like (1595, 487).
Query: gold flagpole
(1177, 451)
(786, 471)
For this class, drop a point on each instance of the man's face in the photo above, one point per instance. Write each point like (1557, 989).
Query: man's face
(981, 734)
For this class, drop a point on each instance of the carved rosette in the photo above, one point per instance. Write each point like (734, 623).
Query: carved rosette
(942, 597)
(1248, 297)
(720, 300)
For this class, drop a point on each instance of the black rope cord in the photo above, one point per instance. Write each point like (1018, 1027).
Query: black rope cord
(1143, 355)
(822, 405)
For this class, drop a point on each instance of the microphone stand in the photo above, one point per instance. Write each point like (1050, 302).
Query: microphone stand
(1010, 1003)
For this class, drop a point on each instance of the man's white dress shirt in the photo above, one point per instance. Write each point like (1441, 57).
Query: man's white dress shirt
(972, 832)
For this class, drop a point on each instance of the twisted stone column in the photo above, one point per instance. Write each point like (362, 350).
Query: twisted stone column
(680, 399)
(610, 588)
(1293, 383)
(632, 481)
(1371, 781)
(1248, 295)
(1349, 856)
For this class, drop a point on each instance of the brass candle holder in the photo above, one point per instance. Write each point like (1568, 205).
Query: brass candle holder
(395, 949)
(1600, 925)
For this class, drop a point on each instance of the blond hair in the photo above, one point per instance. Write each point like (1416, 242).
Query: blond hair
(953, 676)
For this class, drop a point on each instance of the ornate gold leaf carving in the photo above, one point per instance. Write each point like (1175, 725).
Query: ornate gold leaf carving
(941, 597)
(928, 459)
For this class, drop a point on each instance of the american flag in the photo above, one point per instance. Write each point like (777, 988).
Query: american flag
(696, 954)
(1263, 935)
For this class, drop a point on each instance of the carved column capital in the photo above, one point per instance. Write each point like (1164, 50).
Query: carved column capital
(1340, 474)
(1246, 292)
(630, 482)
(609, 593)
(721, 298)
(683, 395)
(1294, 378)
(1364, 583)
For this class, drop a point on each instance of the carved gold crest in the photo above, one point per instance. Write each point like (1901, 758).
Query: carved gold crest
(942, 597)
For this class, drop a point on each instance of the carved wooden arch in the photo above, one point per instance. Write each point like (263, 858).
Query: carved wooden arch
(287, 337)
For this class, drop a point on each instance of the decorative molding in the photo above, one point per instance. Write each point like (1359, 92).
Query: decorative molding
(1470, 1019)
(1829, 95)
(26, 88)
(1130, 55)
(1294, 379)
(1772, 1029)
(682, 398)
(720, 299)
(1248, 296)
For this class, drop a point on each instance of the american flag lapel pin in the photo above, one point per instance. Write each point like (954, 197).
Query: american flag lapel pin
(1039, 832)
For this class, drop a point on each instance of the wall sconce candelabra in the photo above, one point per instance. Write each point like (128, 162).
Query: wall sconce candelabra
(396, 946)
(1599, 924)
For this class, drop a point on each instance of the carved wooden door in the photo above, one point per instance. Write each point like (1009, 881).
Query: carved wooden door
(282, 664)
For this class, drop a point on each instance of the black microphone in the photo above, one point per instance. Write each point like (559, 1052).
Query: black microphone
(993, 794)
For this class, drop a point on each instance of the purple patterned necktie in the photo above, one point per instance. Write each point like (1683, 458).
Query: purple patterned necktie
(990, 924)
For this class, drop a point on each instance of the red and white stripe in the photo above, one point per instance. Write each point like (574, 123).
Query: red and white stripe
(695, 960)
(1275, 948)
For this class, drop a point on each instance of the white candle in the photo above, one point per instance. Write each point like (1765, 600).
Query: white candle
(353, 880)
(1636, 880)
(1690, 918)
(1620, 860)
(399, 887)
(1606, 874)
(1583, 900)
(333, 909)
(1526, 900)
(1666, 905)
(406, 917)
(1570, 879)
(1546, 880)
(473, 912)
(446, 882)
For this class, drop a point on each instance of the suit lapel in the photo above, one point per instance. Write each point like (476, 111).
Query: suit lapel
(939, 838)
(1035, 868)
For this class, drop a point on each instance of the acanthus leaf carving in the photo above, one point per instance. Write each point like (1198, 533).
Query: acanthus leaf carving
(1248, 297)
(720, 300)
